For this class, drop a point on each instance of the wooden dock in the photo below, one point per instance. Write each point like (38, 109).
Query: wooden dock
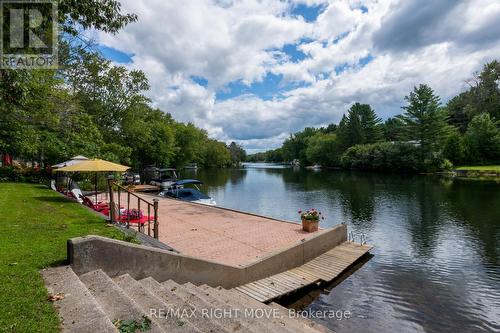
(324, 268)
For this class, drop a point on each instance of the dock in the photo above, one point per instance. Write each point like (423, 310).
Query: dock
(324, 268)
(222, 235)
(262, 257)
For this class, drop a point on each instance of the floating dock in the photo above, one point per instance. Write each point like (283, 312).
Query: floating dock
(324, 268)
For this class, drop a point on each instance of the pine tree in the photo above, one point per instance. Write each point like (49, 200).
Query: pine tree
(424, 120)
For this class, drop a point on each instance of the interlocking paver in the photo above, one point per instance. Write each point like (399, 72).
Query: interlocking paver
(220, 235)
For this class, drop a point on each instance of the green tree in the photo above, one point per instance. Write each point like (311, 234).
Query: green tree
(360, 126)
(393, 129)
(483, 140)
(216, 154)
(454, 148)
(322, 149)
(424, 120)
(237, 152)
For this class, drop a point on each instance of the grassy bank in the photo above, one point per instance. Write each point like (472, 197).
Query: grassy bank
(36, 223)
(484, 168)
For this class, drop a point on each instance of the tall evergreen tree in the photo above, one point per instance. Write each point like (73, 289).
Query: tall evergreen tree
(424, 120)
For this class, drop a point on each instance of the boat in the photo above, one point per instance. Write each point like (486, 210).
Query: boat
(314, 167)
(130, 178)
(191, 166)
(178, 191)
(164, 178)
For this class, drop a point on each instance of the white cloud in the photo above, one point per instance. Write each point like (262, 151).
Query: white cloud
(411, 41)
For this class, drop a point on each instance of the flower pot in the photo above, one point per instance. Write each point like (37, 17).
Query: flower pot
(310, 225)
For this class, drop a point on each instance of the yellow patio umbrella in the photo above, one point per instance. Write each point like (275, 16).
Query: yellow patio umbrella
(94, 165)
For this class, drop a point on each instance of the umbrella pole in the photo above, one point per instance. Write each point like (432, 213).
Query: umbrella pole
(95, 188)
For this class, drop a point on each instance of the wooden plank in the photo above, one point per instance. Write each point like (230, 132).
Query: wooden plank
(342, 258)
(264, 292)
(321, 275)
(284, 281)
(276, 290)
(304, 276)
(292, 280)
(310, 279)
(326, 267)
(319, 268)
(332, 261)
(299, 270)
(252, 294)
(303, 270)
(277, 285)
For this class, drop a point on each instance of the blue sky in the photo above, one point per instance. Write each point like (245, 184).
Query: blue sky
(271, 86)
(255, 71)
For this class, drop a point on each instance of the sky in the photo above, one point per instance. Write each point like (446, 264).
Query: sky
(255, 71)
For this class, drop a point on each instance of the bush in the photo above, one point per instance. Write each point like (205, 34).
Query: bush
(26, 175)
(387, 156)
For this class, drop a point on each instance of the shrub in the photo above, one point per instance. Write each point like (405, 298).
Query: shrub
(26, 175)
(387, 156)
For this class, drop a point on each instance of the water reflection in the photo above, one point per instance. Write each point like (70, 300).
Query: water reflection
(436, 264)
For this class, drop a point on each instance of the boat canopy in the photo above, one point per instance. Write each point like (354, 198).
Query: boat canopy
(187, 181)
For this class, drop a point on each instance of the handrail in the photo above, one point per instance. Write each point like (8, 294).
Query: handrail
(116, 208)
(351, 238)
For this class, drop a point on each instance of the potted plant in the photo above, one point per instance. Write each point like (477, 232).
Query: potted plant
(310, 219)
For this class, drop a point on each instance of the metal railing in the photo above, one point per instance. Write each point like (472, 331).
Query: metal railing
(143, 221)
(351, 238)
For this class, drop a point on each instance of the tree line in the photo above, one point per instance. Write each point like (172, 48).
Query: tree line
(92, 107)
(427, 136)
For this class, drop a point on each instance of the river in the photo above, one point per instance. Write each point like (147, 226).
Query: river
(436, 261)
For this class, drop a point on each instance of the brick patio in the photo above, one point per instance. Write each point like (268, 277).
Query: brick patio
(221, 235)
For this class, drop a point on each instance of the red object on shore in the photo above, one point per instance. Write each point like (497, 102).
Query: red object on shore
(141, 221)
(6, 160)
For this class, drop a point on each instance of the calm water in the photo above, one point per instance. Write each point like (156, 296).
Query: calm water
(436, 263)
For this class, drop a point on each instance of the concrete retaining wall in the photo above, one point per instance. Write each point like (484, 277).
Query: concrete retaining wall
(115, 257)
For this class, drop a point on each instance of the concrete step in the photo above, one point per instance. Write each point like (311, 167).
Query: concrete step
(215, 309)
(318, 327)
(264, 313)
(78, 310)
(239, 315)
(251, 302)
(114, 301)
(168, 293)
(158, 310)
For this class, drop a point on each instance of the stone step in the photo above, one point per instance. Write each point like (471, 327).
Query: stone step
(78, 310)
(241, 316)
(154, 306)
(311, 323)
(281, 324)
(251, 302)
(114, 301)
(213, 307)
(179, 301)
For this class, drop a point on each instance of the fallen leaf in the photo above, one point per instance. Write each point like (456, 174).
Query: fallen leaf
(56, 297)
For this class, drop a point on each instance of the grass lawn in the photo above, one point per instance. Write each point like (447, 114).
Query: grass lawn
(35, 225)
(494, 168)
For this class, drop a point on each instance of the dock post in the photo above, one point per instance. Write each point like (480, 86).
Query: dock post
(155, 206)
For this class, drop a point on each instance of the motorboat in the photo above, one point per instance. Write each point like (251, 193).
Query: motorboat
(164, 178)
(191, 166)
(130, 178)
(314, 167)
(178, 191)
